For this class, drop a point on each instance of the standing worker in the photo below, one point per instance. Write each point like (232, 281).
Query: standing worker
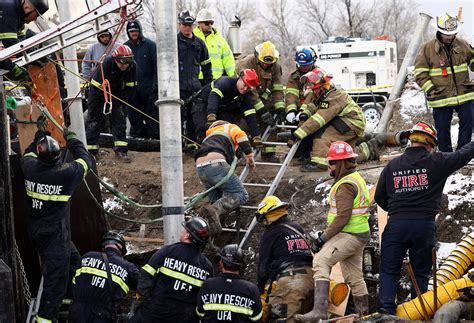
(284, 258)
(49, 187)
(442, 71)
(98, 291)
(144, 54)
(95, 52)
(173, 276)
(229, 297)
(120, 79)
(345, 237)
(222, 58)
(410, 189)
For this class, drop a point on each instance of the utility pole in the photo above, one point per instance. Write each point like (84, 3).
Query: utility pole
(72, 82)
(170, 119)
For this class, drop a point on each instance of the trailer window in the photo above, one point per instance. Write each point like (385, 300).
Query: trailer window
(392, 55)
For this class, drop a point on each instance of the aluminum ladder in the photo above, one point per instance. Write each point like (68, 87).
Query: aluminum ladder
(35, 304)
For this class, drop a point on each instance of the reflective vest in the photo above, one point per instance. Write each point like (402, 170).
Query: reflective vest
(359, 221)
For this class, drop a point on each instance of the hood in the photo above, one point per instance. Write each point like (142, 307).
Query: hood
(343, 168)
(135, 24)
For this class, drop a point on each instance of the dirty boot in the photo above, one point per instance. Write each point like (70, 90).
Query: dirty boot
(122, 156)
(320, 308)
(361, 304)
(270, 158)
(313, 167)
(210, 213)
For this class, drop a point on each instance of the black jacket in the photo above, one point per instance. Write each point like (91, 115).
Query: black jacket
(411, 186)
(228, 297)
(12, 19)
(280, 248)
(193, 56)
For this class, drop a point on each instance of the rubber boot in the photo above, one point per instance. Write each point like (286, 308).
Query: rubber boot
(313, 167)
(122, 156)
(361, 304)
(210, 213)
(320, 308)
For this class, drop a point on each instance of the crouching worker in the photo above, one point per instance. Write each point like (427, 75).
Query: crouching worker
(284, 258)
(102, 281)
(229, 297)
(213, 160)
(345, 237)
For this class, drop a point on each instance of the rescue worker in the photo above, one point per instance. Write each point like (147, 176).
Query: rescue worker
(410, 189)
(330, 115)
(284, 258)
(222, 58)
(229, 297)
(345, 237)
(144, 54)
(213, 160)
(228, 99)
(120, 78)
(98, 291)
(193, 58)
(173, 276)
(15, 13)
(50, 184)
(268, 97)
(95, 52)
(442, 71)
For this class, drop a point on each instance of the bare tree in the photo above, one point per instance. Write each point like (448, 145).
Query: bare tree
(355, 17)
(228, 10)
(193, 5)
(319, 19)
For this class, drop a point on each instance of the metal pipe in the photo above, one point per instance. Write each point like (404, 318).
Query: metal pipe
(170, 119)
(409, 60)
(435, 285)
(417, 290)
(72, 82)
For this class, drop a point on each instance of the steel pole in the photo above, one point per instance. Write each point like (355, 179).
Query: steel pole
(72, 82)
(409, 60)
(170, 119)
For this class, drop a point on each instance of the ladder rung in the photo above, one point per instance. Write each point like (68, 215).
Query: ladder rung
(249, 207)
(233, 230)
(274, 143)
(257, 185)
(286, 126)
(268, 164)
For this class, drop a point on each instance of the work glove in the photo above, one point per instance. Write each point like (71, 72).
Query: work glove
(211, 118)
(41, 123)
(19, 73)
(281, 115)
(68, 134)
(291, 117)
(316, 242)
(257, 142)
(268, 118)
(293, 139)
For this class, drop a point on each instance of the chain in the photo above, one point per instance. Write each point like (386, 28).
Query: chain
(24, 282)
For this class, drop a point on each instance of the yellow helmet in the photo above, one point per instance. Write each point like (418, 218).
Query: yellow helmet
(266, 53)
(268, 205)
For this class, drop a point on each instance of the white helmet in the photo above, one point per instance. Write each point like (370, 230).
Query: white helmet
(205, 15)
(447, 24)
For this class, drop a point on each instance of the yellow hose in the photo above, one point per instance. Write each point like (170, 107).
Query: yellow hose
(412, 310)
(458, 262)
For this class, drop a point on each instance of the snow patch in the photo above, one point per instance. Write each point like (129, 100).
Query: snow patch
(444, 250)
(412, 102)
(459, 190)
(112, 203)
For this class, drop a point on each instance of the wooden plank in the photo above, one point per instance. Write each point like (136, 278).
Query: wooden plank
(389, 157)
(138, 239)
(382, 218)
(26, 132)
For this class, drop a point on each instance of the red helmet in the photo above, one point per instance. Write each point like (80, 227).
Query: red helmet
(340, 150)
(315, 79)
(422, 132)
(123, 51)
(250, 78)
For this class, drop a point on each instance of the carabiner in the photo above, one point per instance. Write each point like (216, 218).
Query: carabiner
(107, 108)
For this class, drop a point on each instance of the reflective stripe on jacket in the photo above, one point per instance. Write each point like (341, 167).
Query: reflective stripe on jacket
(231, 131)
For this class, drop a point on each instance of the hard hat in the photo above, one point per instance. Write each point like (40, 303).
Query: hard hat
(186, 17)
(198, 228)
(340, 150)
(232, 256)
(269, 203)
(116, 238)
(422, 132)
(447, 24)
(305, 56)
(123, 54)
(250, 78)
(266, 53)
(205, 15)
(315, 79)
(48, 150)
(40, 5)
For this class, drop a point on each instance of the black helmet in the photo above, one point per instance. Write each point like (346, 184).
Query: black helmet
(186, 17)
(198, 228)
(48, 150)
(114, 237)
(232, 256)
(40, 5)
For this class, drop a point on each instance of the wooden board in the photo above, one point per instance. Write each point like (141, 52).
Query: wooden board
(382, 218)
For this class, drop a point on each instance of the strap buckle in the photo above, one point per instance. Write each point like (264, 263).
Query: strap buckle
(107, 108)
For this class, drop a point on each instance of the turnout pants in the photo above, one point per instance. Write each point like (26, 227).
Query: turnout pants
(81, 312)
(172, 313)
(140, 125)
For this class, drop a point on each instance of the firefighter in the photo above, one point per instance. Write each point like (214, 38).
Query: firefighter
(229, 297)
(95, 52)
(98, 291)
(14, 15)
(330, 115)
(120, 78)
(284, 258)
(213, 160)
(410, 189)
(222, 58)
(268, 97)
(173, 276)
(50, 184)
(442, 71)
(345, 237)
